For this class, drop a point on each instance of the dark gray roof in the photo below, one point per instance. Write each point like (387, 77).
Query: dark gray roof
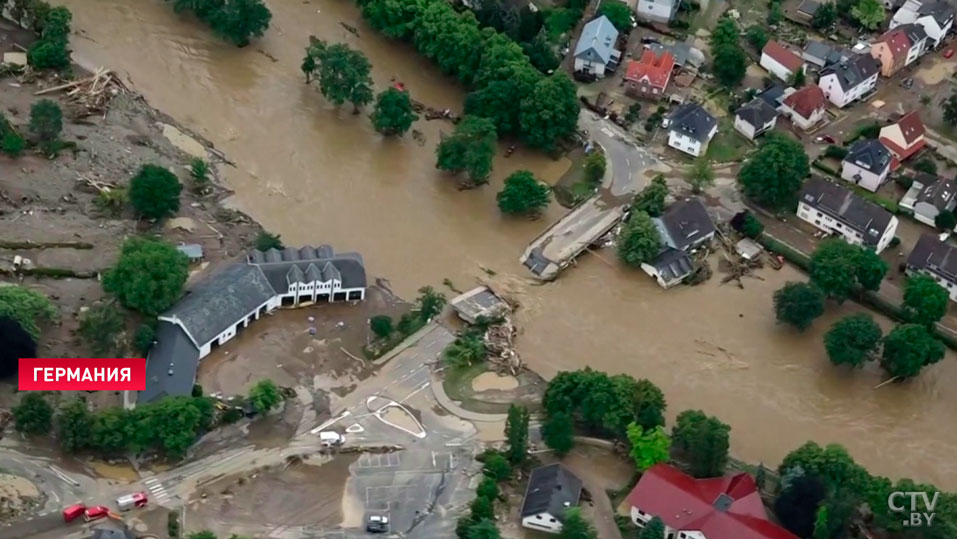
(915, 32)
(817, 49)
(870, 155)
(673, 264)
(867, 218)
(941, 11)
(931, 254)
(853, 71)
(348, 268)
(324, 251)
(809, 7)
(221, 299)
(684, 223)
(170, 365)
(551, 489)
(772, 95)
(597, 41)
(757, 112)
(938, 192)
(290, 253)
(295, 275)
(692, 120)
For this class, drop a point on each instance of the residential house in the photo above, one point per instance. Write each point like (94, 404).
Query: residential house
(214, 310)
(780, 61)
(657, 10)
(936, 17)
(755, 118)
(728, 507)
(684, 226)
(850, 80)
(821, 54)
(648, 77)
(893, 4)
(929, 195)
(836, 210)
(595, 52)
(867, 164)
(685, 56)
(805, 107)
(773, 95)
(551, 491)
(898, 47)
(671, 267)
(935, 258)
(806, 10)
(690, 129)
(905, 137)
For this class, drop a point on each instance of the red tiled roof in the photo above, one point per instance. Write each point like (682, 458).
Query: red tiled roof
(901, 154)
(656, 68)
(687, 504)
(806, 100)
(911, 127)
(912, 130)
(897, 42)
(783, 55)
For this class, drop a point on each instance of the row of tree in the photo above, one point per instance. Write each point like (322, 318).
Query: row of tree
(640, 242)
(507, 89)
(52, 25)
(236, 21)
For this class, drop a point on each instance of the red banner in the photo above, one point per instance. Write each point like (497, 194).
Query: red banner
(82, 374)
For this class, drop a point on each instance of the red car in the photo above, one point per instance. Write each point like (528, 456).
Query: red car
(96, 512)
(948, 53)
(71, 513)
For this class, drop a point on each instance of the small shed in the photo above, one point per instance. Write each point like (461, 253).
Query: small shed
(748, 248)
(193, 251)
(479, 302)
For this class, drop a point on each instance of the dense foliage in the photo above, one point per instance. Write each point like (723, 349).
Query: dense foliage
(522, 194)
(773, 175)
(33, 415)
(702, 441)
(343, 73)
(839, 268)
(648, 447)
(148, 277)
(853, 340)
(730, 60)
(925, 301)
(558, 433)
(154, 192)
(798, 304)
(264, 396)
(651, 199)
(101, 327)
(908, 349)
(236, 21)
(52, 49)
(640, 241)
(26, 307)
(46, 121)
(393, 113)
(470, 148)
(516, 434)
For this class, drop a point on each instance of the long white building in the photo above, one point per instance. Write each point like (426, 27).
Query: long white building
(836, 210)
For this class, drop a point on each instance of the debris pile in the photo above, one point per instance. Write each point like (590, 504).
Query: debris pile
(735, 265)
(90, 95)
(500, 345)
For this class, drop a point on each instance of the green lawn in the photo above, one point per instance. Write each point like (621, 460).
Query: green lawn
(727, 144)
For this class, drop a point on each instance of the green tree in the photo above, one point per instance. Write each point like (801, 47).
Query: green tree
(484, 529)
(730, 64)
(487, 488)
(575, 526)
(925, 301)
(111, 431)
(595, 165)
(634, 111)
(853, 340)
(869, 13)
(558, 433)
(798, 78)
(26, 307)
(496, 99)
(549, 113)
(798, 304)
(237, 21)
(46, 122)
(381, 325)
(430, 303)
(647, 447)
(264, 396)
(908, 348)
(945, 220)
(700, 175)
(497, 466)
(148, 277)
(751, 227)
(266, 241)
(821, 528)
(757, 36)
(949, 107)
(482, 509)
(13, 144)
(825, 16)
(102, 328)
(654, 529)
(522, 194)
(343, 73)
(775, 13)
(651, 199)
(773, 175)
(393, 114)
(516, 434)
(34, 415)
(837, 267)
(470, 148)
(154, 192)
(465, 350)
(205, 534)
(199, 172)
(725, 33)
(618, 13)
(926, 165)
(640, 241)
(144, 338)
(703, 440)
(74, 425)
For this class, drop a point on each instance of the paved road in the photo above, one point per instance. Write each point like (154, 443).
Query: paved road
(626, 160)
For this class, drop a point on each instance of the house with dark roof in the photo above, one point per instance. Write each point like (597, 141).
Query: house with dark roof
(595, 52)
(935, 258)
(683, 227)
(850, 80)
(657, 10)
(214, 310)
(805, 107)
(551, 491)
(727, 507)
(929, 195)
(936, 17)
(648, 77)
(867, 163)
(690, 129)
(780, 61)
(806, 10)
(898, 48)
(821, 54)
(836, 210)
(905, 137)
(773, 95)
(755, 118)
(670, 267)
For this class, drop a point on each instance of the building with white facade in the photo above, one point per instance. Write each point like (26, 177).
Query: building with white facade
(805, 107)
(690, 129)
(755, 118)
(928, 196)
(780, 61)
(936, 17)
(683, 227)
(595, 52)
(935, 258)
(867, 163)
(839, 211)
(551, 491)
(657, 10)
(850, 80)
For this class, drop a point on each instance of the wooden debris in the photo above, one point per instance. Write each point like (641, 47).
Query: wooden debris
(100, 186)
(90, 95)
(500, 345)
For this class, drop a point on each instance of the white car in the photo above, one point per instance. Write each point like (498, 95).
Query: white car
(329, 438)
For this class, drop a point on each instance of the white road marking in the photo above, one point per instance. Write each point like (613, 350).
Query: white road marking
(433, 458)
(56, 498)
(420, 388)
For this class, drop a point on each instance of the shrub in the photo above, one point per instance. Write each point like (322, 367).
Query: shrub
(266, 241)
(12, 144)
(154, 192)
(835, 152)
(381, 325)
(46, 121)
(926, 165)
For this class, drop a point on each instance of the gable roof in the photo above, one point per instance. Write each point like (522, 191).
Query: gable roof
(692, 120)
(897, 43)
(809, 7)
(772, 95)
(551, 489)
(672, 264)
(597, 41)
(870, 155)
(170, 365)
(911, 126)
(756, 112)
(915, 32)
(782, 55)
(651, 67)
(911, 131)
(806, 101)
(721, 508)
(934, 255)
(347, 268)
(941, 11)
(684, 223)
(853, 71)
(939, 193)
(867, 218)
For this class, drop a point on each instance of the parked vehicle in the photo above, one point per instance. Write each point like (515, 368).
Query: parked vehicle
(377, 524)
(650, 39)
(948, 53)
(129, 501)
(73, 512)
(329, 438)
(96, 512)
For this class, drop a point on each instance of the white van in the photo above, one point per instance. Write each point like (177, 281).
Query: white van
(330, 438)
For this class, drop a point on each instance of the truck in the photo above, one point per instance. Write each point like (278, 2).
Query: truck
(96, 512)
(73, 512)
(129, 501)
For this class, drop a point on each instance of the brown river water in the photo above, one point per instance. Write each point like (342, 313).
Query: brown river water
(320, 175)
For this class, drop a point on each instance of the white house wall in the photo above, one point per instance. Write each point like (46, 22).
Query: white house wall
(684, 143)
(775, 68)
(869, 180)
(543, 522)
(836, 94)
(595, 68)
(830, 225)
(656, 10)
(946, 283)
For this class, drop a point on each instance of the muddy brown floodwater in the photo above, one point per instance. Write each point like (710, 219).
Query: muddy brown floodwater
(316, 174)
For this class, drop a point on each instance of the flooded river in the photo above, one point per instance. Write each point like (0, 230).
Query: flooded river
(316, 174)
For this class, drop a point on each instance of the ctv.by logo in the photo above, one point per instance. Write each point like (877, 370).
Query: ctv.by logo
(915, 518)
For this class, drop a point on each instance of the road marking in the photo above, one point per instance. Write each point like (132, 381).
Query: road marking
(63, 476)
(628, 162)
(330, 422)
(433, 459)
(410, 395)
(56, 498)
